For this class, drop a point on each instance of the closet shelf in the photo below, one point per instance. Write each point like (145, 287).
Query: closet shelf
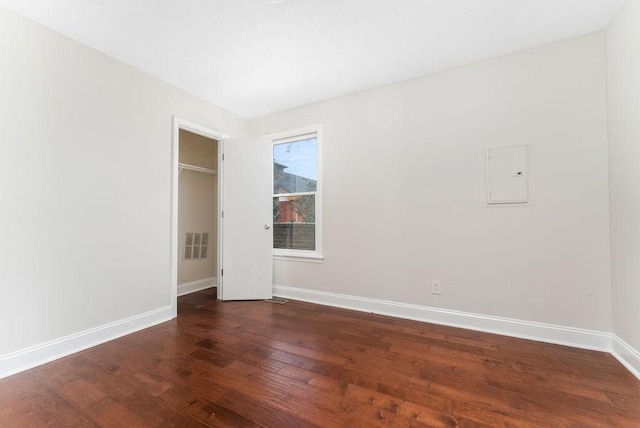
(182, 166)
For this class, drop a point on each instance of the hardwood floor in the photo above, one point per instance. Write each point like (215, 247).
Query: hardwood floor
(243, 364)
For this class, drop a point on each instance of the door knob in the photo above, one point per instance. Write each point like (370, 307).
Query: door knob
(267, 226)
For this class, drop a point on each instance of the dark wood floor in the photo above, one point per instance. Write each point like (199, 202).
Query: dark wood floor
(243, 364)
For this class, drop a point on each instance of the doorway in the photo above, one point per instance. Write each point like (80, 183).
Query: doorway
(195, 206)
(244, 216)
(197, 212)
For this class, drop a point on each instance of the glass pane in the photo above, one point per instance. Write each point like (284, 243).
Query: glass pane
(295, 166)
(294, 222)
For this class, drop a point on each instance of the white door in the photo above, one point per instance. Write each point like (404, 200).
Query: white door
(247, 237)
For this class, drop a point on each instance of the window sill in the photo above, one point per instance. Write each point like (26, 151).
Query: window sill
(310, 257)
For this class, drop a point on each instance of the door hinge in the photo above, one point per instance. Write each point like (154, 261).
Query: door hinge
(222, 214)
(221, 272)
(223, 156)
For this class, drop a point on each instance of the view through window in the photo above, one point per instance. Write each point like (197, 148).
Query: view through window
(295, 188)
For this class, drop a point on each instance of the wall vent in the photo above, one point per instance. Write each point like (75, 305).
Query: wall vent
(196, 246)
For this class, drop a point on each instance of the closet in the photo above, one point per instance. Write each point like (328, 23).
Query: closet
(197, 212)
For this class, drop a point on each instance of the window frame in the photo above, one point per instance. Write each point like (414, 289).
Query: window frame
(284, 137)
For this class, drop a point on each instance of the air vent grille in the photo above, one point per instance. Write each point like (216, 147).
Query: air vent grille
(196, 246)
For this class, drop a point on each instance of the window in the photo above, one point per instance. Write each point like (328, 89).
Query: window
(297, 213)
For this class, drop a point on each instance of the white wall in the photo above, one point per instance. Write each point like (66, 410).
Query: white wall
(85, 182)
(402, 184)
(623, 55)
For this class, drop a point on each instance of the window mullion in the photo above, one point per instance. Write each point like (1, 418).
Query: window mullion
(286, 195)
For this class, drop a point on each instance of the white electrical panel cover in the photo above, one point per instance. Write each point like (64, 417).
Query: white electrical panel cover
(507, 175)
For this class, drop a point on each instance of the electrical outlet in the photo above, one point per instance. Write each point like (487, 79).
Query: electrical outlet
(436, 286)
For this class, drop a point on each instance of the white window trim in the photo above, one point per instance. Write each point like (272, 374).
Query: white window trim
(316, 256)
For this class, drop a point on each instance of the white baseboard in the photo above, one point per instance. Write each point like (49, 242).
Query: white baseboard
(588, 339)
(569, 336)
(192, 287)
(36, 355)
(629, 357)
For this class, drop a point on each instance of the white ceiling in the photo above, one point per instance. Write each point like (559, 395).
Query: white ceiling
(257, 57)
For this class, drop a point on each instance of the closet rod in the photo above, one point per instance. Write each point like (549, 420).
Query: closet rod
(182, 166)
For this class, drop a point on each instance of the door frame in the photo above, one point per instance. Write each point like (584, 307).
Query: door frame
(185, 125)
